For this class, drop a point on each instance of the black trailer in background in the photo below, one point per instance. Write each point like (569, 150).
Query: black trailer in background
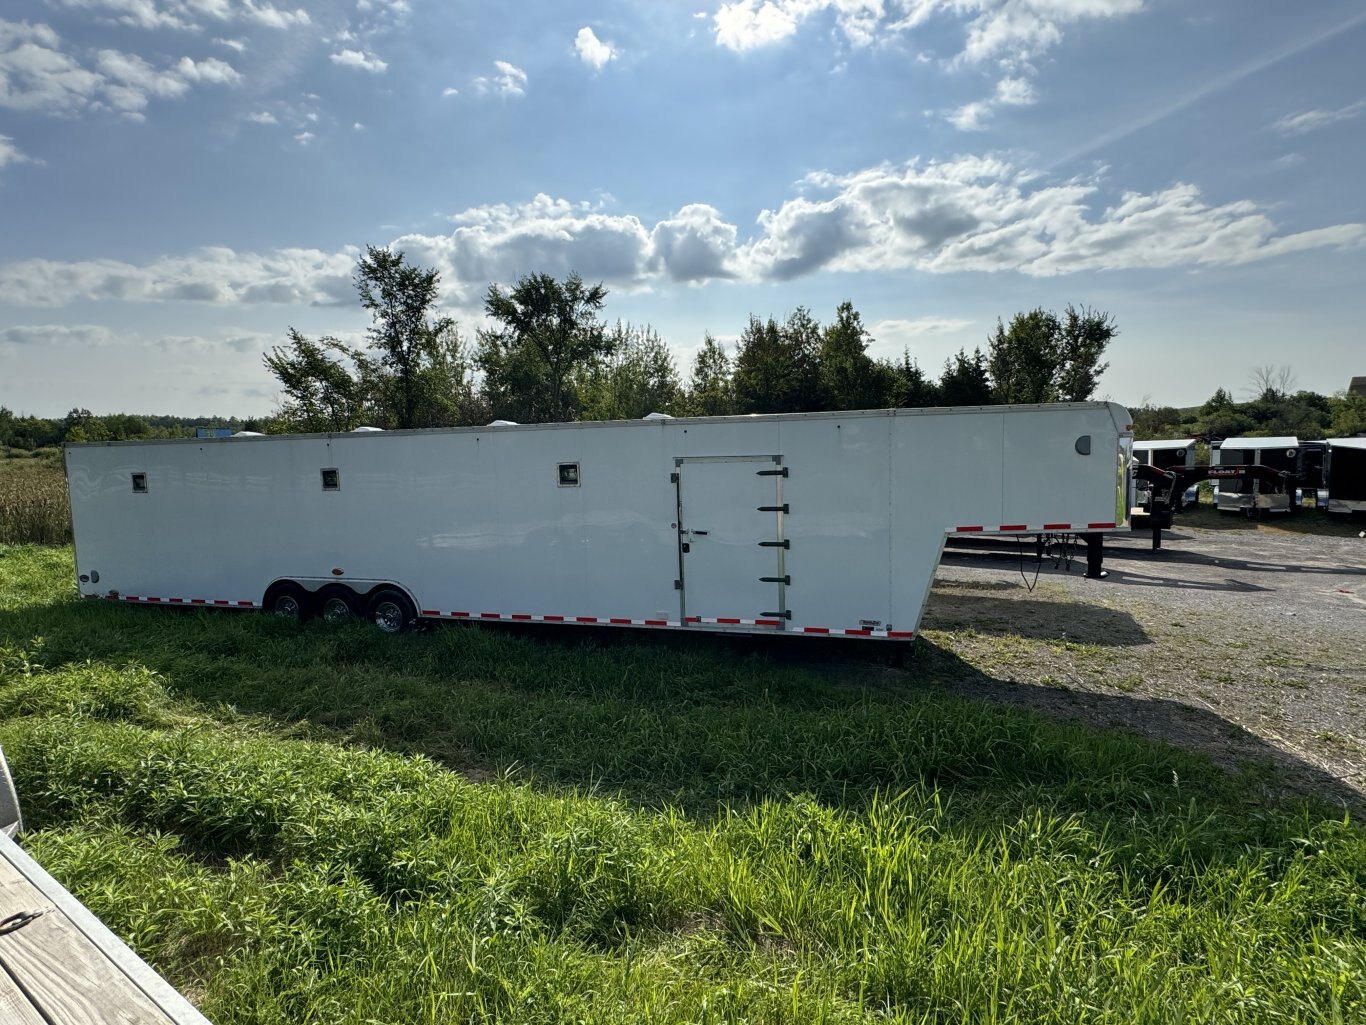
(1345, 469)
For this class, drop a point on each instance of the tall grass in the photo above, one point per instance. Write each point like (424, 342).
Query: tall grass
(642, 833)
(34, 505)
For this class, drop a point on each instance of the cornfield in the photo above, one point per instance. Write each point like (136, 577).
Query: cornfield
(34, 507)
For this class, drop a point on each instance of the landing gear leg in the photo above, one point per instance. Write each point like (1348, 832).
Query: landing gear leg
(1095, 556)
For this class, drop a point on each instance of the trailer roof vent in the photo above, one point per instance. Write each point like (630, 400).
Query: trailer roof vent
(139, 483)
(503, 423)
(657, 416)
(248, 434)
(365, 430)
(331, 478)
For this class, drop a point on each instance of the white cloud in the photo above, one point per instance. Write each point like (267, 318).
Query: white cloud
(970, 117)
(972, 214)
(1015, 92)
(1018, 28)
(696, 244)
(190, 15)
(262, 117)
(1309, 120)
(238, 45)
(10, 154)
(304, 138)
(55, 334)
(36, 75)
(273, 17)
(510, 81)
(359, 59)
(593, 51)
(750, 24)
(218, 275)
(898, 330)
(450, 90)
(974, 116)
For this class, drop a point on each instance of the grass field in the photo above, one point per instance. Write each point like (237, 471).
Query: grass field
(34, 507)
(323, 824)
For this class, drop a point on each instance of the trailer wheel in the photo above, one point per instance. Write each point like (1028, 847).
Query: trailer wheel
(288, 601)
(337, 604)
(391, 611)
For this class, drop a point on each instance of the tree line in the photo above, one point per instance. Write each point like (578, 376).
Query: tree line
(1275, 409)
(24, 434)
(550, 356)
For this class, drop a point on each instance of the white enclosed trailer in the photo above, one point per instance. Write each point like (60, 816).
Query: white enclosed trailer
(1164, 455)
(813, 523)
(1251, 495)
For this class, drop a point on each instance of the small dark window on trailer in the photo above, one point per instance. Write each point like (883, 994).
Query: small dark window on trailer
(569, 475)
(331, 479)
(139, 483)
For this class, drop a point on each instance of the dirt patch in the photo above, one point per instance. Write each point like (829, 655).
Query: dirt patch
(1247, 645)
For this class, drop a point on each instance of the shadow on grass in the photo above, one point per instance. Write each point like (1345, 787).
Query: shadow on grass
(698, 723)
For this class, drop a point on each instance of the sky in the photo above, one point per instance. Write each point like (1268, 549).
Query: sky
(183, 181)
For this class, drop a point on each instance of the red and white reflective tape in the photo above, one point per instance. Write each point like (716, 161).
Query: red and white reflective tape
(147, 599)
(521, 617)
(525, 617)
(1025, 528)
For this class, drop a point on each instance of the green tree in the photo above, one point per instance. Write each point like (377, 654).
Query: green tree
(637, 377)
(413, 372)
(83, 425)
(777, 369)
(321, 391)
(1220, 418)
(850, 378)
(418, 350)
(550, 331)
(711, 391)
(1042, 357)
(1348, 413)
(965, 381)
(913, 389)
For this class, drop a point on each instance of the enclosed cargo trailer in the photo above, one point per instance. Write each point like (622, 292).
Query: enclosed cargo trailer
(1252, 495)
(1345, 470)
(810, 523)
(1165, 455)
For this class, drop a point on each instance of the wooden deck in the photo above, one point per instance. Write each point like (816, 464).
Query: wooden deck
(59, 964)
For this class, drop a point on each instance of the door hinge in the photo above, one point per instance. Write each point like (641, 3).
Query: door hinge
(774, 508)
(678, 585)
(785, 580)
(785, 614)
(673, 478)
(782, 472)
(784, 543)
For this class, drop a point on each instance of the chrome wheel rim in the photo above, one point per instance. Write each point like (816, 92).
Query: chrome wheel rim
(335, 610)
(287, 607)
(388, 617)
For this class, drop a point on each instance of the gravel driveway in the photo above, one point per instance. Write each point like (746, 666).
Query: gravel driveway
(1247, 644)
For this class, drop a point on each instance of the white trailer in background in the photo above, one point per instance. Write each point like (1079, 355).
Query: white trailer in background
(1251, 495)
(813, 523)
(1164, 455)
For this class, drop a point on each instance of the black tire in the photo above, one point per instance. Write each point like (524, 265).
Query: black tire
(338, 604)
(288, 601)
(391, 611)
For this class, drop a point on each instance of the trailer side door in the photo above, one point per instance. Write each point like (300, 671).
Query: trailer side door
(730, 540)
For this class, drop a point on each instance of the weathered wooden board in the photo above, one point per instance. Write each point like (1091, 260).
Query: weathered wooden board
(59, 965)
